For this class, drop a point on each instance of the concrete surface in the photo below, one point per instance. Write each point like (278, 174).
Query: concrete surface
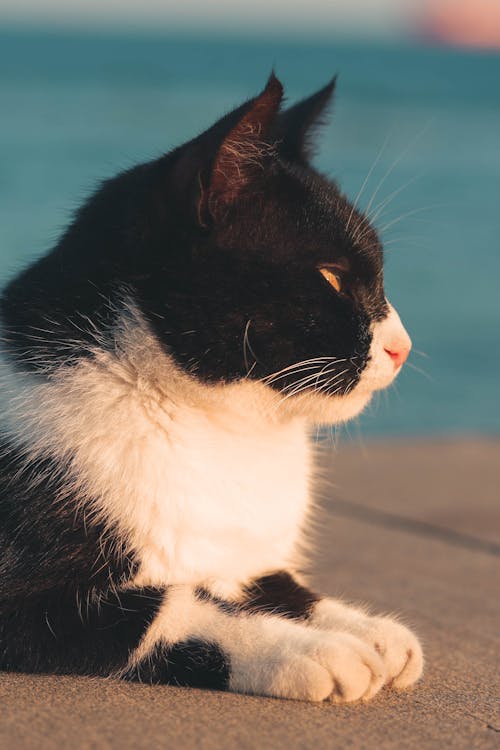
(409, 527)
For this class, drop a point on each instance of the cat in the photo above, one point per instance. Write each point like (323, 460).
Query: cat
(161, 370)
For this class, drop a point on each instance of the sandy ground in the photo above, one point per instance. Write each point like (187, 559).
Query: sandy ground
(409, 527)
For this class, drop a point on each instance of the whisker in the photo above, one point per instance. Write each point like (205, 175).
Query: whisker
(303, 382)
(402, 239)
(251, 369)
(398, 219)
(396, 162)
(303, 392)
(407, 215)
(295, 364)
(305, 386)
(420, 353)
(422, 372)
(247, 345)
(387, 201)
(294, 372)
(333, 380)
(394, 388)
(299, 387)
(365, 181)
(329, 367)
(330, 393)
(298, 364)
(291, 373)
(245, 335)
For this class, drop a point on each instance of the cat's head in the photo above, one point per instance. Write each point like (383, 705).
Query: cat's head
(282, 277)
(248, 264)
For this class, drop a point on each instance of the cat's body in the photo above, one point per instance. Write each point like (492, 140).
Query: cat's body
(161, 370)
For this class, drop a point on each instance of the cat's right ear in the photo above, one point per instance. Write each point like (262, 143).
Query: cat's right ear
(297, 126)
(226, 161)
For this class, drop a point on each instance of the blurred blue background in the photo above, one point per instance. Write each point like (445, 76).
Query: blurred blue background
(80, 103)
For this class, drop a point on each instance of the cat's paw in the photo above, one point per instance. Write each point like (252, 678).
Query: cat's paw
(334, 666)
(399, 647)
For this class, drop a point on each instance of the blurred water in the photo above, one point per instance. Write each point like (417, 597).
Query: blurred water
(75, 109)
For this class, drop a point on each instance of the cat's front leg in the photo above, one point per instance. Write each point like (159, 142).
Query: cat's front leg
(398, 646)
(196, 640)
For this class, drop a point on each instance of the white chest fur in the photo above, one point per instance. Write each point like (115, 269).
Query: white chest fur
(203, 483)
(227, 501)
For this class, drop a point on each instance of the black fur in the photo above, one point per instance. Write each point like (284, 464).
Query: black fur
(191, 663)
(72, 630)
(46, 542)
(281, 594)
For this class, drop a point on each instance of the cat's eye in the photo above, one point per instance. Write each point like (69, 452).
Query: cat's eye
(332, 278)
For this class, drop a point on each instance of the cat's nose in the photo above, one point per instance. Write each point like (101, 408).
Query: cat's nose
(399, 350)
(394, 338)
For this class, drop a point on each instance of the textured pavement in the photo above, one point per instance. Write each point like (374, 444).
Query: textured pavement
(409, 527)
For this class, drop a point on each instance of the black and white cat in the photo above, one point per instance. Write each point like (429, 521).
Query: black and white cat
(161, 369)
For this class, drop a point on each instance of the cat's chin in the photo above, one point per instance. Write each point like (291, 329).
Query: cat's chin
(320, 409)
(254, 399)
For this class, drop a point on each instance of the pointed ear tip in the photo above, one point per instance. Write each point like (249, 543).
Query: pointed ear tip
(274, 86)
(330, 86)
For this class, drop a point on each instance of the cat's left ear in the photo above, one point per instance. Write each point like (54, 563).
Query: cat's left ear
(241, 156)
(296, 126)
(227, 161)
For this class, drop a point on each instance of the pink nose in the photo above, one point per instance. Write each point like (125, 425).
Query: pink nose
(398, 354)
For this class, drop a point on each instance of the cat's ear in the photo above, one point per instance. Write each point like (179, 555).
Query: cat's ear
(223, 162)
(296, 126)
(241, 155)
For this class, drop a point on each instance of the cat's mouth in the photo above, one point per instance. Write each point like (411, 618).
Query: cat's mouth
(331, 394)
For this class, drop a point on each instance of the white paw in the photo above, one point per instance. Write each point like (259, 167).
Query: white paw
(319, 666)
(398, 647)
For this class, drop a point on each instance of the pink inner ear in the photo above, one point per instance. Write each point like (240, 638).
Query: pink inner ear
(244, 150)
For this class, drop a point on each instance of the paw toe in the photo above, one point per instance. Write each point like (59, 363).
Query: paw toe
(400, 650)
(412, 669)
(357, 670)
